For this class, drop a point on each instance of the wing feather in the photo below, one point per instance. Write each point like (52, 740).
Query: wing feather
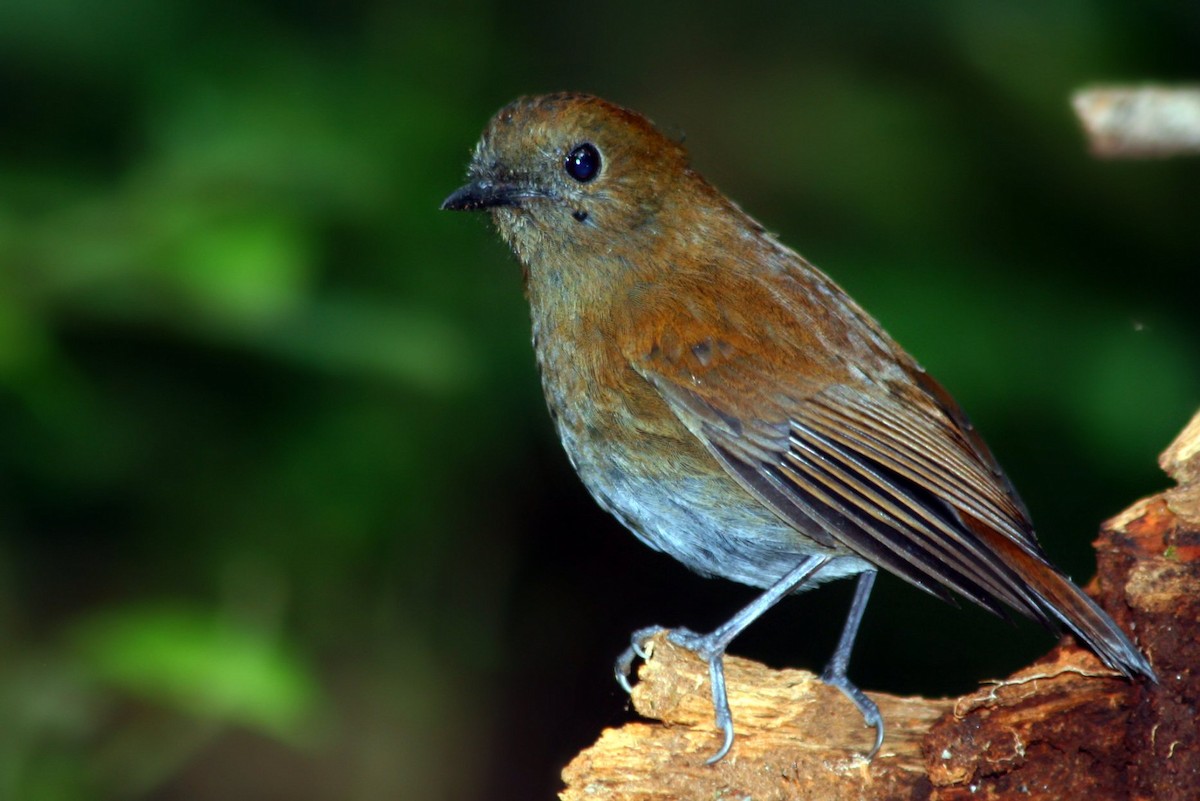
(880, 478)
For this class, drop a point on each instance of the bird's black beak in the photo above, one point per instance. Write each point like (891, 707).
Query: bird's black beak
(483, 194)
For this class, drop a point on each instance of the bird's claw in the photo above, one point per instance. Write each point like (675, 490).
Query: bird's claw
(727, 730)
(636, 650)
(866, 707)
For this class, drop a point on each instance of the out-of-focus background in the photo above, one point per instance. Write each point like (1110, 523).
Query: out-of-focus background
(281, 513)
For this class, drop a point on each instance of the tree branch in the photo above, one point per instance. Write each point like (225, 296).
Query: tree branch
(1144, 122)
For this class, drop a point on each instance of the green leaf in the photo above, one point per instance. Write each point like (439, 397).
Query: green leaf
(200, 663)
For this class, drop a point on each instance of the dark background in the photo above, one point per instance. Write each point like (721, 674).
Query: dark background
(281, 512)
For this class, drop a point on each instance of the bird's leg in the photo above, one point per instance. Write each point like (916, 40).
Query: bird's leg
(711, 647)
(835, 672)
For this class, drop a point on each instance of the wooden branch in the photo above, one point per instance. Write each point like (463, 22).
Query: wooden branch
(1065, 727)
(1143, 122)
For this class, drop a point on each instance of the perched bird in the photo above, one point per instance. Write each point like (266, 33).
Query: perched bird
(735, 408)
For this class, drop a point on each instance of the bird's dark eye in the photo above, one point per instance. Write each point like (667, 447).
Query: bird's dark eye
(583, 163)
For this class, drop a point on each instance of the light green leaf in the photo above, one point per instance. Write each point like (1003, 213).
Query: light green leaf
(200, 663)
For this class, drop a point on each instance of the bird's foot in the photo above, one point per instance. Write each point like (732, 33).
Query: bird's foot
(710, 648)
(866, 707)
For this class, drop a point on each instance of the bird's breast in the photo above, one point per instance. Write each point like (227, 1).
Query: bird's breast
(642, 465)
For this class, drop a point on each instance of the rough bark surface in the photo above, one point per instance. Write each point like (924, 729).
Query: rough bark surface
(1064, 727)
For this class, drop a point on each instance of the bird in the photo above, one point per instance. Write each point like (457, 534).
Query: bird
(735, 408)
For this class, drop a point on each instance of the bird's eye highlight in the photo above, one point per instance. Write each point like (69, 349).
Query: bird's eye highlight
(583, 163)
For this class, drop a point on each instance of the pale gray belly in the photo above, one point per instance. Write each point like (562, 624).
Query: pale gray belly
(706, 521)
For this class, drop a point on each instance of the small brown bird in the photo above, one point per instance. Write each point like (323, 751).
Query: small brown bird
(732, 406)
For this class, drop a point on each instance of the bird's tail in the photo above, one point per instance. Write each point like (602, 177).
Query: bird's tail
(1056, 600)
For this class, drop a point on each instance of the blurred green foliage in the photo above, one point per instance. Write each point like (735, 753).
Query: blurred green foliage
(280, 512)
